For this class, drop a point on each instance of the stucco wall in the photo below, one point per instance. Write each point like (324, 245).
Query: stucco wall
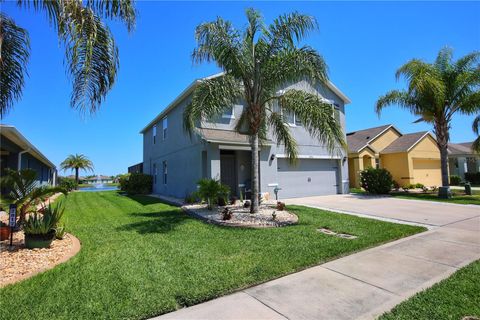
(398, 165)
(424, 160)
(385, 139)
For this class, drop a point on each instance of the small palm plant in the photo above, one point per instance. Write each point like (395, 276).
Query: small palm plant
(77, 162)
(25, 192)
(435, 93)
(256, 63)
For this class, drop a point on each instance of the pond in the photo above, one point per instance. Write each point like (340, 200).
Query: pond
(97, 188)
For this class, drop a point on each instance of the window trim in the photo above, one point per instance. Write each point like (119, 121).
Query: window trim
(165, 172)
(154, 133)
(164, 127)
(229, 116)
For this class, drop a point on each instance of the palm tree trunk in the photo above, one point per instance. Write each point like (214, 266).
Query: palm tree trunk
(76, 177)
(255, 188)
(441, 131)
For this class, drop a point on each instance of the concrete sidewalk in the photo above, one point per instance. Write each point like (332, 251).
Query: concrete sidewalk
(359, 286)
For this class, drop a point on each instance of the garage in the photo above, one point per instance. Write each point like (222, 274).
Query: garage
(308, 177)
(427, 171)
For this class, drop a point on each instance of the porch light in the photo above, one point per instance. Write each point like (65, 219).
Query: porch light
(272, 157)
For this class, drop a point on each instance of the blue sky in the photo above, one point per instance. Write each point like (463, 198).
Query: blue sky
(362, 42)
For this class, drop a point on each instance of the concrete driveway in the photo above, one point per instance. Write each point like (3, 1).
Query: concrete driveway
(365, 284)
(421, 212)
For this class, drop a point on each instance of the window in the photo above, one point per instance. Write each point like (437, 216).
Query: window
(154, 130)
(229, 113)
(377, 163)
(164, 172)
(164, 127)
(155, 173)
(289, 117)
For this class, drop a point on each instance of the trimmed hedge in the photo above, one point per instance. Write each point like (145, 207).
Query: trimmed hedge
(473, 178)
(136, 183)
(376, 181)
(455, 180)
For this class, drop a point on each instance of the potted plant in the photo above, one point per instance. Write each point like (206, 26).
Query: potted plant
(4, 231)
(40, 229)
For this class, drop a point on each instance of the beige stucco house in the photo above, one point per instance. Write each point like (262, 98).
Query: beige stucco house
(410, 158)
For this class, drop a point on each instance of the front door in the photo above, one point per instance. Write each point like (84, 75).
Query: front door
(228, 173)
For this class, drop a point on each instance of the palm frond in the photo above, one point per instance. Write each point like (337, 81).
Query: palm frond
(79, 161)
(397, 97)
(210, 99)
(443, 63)
(282, 135)
(111, 9)
(292, 65)
(476, 125)
(288, 29)
(476, 145)
(14, 55)
(218, 41)
(316, 116)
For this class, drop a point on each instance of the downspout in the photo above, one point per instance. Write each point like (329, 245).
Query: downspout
(19, 165)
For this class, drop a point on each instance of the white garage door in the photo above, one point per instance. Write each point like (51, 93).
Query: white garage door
(309, 177)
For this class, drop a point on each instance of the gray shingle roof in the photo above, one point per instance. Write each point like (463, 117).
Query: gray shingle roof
(404, 142)
(227, 136)
(358, 139)
(460, 148)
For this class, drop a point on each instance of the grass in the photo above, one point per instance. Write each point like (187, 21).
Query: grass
(142, 258)
(452, 298)
(458, 196)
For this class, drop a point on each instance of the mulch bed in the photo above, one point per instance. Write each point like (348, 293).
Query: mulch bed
(241, 217)
(22, 263)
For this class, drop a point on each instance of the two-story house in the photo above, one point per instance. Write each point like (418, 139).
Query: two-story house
(177, 161)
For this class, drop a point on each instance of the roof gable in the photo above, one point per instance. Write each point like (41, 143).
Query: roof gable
(406, 142)
(360, 139)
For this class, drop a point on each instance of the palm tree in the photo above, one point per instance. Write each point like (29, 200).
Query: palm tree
(476, 129)
(91, 54)
(77, 162)
(256, 63)
(25, 192)
(436, 92)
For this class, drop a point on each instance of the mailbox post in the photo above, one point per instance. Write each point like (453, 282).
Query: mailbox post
(12, 221)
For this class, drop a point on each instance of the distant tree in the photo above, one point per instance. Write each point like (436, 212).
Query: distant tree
(91, 55)
(256, 62)
(77, 162)
(436, 92)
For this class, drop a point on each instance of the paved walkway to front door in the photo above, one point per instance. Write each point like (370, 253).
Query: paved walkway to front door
(365, 284)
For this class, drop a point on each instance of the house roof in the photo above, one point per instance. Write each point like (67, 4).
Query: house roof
(405, 142)
(460, 148)
(12, 134)
(224, 136)
(193, 85)
(358, 140)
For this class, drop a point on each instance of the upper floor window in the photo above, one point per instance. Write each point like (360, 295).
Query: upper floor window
(154, 131)
(229, 113)
(164, 127)
(289, 117)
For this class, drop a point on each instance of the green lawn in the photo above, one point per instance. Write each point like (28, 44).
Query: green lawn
(458, 197)
(453, 298)
(142, 258)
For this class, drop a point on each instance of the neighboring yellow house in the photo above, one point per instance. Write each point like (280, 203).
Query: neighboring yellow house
(410, 158)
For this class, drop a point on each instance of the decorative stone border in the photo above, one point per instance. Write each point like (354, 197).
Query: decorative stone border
(74, 249)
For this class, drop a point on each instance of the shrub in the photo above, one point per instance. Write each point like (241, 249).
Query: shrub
(68, 184)
(455, 180)
(473, 178)
(139, 183)
(191, 198)
(409, 186)
(396, 185)
(123, 181)
(210, 190)
(419, 185)
(376, 181)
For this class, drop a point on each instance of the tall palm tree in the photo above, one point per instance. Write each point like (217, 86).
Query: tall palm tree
(476, 129)
(256, 63)
(77, 162)
(436, 92)
(91, 54)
